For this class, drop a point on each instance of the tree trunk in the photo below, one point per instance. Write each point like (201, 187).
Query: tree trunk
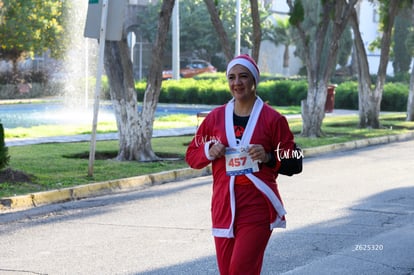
(313, 110)
(370, 99)
(386, 40)
(218, 25)
(366, 112)
(257, 31)
(154, 81)
(410, 101)
(136, 128)
(286, 60)
(121, 89)
(118, 66)
(318, 70)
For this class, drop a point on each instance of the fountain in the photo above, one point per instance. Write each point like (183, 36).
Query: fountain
(79, 60)
(74, 104)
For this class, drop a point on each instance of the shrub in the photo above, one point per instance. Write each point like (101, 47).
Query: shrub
(394, 97)
(266, 91)
(4, 151)
(297, 92)
(213, 89)
(283, 92)
(346, 95)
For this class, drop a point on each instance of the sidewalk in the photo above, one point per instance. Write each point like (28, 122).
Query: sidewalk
(87, 137)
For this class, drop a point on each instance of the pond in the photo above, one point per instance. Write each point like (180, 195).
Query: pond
(53, 113)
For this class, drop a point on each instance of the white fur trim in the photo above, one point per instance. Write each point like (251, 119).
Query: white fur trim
(206, 150)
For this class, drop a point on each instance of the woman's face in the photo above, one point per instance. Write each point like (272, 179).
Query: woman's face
(241, 83)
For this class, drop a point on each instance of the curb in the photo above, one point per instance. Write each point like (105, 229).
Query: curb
(98, 189)
(356, 144)
(133, 183)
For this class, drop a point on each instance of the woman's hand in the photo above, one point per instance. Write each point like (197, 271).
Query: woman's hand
(216, 151)
(257, 152)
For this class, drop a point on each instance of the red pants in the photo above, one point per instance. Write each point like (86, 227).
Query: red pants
(244, 253)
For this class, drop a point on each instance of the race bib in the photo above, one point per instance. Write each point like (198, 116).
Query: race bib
(238, 161)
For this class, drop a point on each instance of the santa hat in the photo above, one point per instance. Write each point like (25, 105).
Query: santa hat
(248, 62)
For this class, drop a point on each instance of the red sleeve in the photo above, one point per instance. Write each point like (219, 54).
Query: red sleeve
(196, 155)
(209, 132)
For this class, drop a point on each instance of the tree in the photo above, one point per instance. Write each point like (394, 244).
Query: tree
(197, 36)
(410, 100)
(257, 31)
(222, 16)
(31, 27)
(218, 25)
(280, 33)
(4, 151)
(410, 46)
(345, 49)
(320, 49)
(202, 38)
(370, 98)
(400, 55)
(136, 129)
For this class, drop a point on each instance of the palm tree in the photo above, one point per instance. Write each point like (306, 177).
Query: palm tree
(279, 33)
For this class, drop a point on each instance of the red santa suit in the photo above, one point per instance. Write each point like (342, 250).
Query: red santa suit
(266, 127)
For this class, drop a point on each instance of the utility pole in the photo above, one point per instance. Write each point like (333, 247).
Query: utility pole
(238, 23)
(176, 41)
(103, 23)
(102, 38)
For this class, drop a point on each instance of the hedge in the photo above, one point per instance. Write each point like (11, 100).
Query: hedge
(394, 96)
(216, 91)
(190, 91)
(346, 95)
(279, 92)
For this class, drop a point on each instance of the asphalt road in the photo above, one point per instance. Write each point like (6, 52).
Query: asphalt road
(348, 213)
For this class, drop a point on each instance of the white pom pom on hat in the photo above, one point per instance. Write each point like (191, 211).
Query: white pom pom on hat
(248, 62)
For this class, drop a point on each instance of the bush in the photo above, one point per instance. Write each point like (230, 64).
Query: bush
(283, 92)
(29, 90)
(213, 89)
(266, 91)
(298, 91)
(394, 97)
(280, 95)
(346, 95)
(4, 151)
(8, 77)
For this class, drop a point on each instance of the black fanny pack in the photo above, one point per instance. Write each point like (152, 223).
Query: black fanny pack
(292, 165)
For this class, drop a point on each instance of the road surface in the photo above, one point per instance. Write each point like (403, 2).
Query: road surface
(348, 213)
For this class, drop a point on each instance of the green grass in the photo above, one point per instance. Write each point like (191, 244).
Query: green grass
(345, 128)
(60, 165)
